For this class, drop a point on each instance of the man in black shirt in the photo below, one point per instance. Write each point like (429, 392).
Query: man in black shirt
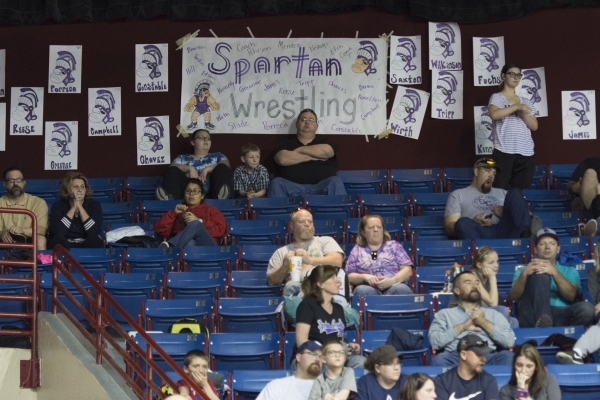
(307, 163)
(584, 183)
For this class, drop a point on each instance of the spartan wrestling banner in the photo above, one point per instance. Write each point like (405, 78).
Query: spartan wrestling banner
(61, 145)
(239, 85)
(64, 74)
(151, 67)
(579, 114)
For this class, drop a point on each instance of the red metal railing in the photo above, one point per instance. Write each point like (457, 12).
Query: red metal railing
(30, 369)
(99, 318)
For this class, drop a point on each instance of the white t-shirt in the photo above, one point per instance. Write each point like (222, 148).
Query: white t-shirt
(288, 388)
(510, 133)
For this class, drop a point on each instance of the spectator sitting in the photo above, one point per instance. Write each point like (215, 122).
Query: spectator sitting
(451, 325)
(547, 291)
(418, 387)
(384, 379)
(195, 365)
(337, 382)
(192, 223)
(76, 219)
(378, 265)
(584, 183)
(250, 180)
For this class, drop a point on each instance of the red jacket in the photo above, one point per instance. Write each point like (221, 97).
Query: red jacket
(171, 223)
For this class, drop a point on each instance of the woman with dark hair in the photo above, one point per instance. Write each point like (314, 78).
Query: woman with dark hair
(418, 387)
(378, 265)
(513, 120)
(76, 219)
(191, 223)
(529, 379)
(385, 379)
(319, 318)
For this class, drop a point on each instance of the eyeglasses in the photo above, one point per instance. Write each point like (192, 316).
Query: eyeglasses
(309, 120)
(479, 343)
(13, 180)
(193, 192)
(334, 353)
(514, 75)
(373, 255)
(311, 353)
(203, 138)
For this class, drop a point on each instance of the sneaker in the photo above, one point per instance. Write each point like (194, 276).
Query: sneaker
(544, 321)
(208, 125)
(536, 225)
(223, 192)
(164, 245)
(590, 228)
(162, 194)
(577, 204)
(193, 125)
(568, 357)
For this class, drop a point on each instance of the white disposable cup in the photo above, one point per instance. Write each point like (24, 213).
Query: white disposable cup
(296, 263)
(296, 275)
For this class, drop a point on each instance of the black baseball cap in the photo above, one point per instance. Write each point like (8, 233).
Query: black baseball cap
(474, 343)
(487, 163)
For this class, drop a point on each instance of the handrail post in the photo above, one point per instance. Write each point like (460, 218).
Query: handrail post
(98, 331)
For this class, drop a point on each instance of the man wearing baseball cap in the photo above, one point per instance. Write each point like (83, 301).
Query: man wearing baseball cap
(481, 211)
(546, 291)
(299, 385)
(468, 380)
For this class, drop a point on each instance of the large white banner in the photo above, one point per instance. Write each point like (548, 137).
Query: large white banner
(408, 112)
(444, 46)
(483, 131)
(533, 87)
(238, 85)
(405, 60)
(151, 67)
(488, 59)
(65, 69)
(153, 144)
(579, 114)
(27, 111)
(61, 145)
(104, 111)
(2, 126)
(2, 72)
(447, 94)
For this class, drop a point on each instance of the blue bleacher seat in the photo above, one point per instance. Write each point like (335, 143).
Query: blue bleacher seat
(457, 178)
(430, 279)
(255, 314)
(140, 188)
(559, 174)
(256, 256)
(208, 258)
(577, 381)
(47, 189)
(564, 223)
(415, 180)
(429, 203)
(579, 246)
(271, 208)
(130, 291)
(332, 207)
(335, 228)
(251, 351)
(159, 315)
(431, 370)
(548, 353)
(502, 373)
(151, 260)
(441, 301)
(547, 200)
(540, 177)
(119, 212)
(386, 205)
(407, 311)
(442, 252)
(394, 226)
(430, 227)
(365, 181)
(258, 232)
(107, 190)
(151, 210)
(230, 208)
(515, 251)
(252, 284)
(246, 385)
(289, 341)
(46, 294)
(199, 285)
(370, 340)
(98, 261)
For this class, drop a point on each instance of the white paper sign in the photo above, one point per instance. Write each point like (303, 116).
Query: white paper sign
(444, 46)
(61, 145)
(408, 112)
(488, 59)
(447, 94)
(579, 114)
(151, 67)
(27, 111)
(240, 85)
(2, 126)
(533, 87)
(405, 60)
(483, 131)
(2, 72)
(104, 111)
(64, 71)
(153, 144)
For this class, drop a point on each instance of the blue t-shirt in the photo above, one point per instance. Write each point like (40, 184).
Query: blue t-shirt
(570, 274)
(368, 388)
(450, 385)
(200, 163)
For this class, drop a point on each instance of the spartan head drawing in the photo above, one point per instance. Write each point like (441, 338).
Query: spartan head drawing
(151, 59)
(104, 106)
(63, 69)
(488, 54)
(409, 104)
(61, 137)
(153, 132)
(445, 88)
(406, 51)
(442, 44)
(579, 105)
(26, 105)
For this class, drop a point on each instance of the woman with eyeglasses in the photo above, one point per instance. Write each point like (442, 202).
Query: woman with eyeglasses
(513, 119)
(76, 219)
(384, 379)
(377, 264)
(191, 223)
(320, 318)
(529, 379)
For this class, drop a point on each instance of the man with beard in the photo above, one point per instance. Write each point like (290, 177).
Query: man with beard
(546, 291)
(314, 250)
(16, 228)
(480, 211)
(468, 380)
(450, 325)
(299, 385)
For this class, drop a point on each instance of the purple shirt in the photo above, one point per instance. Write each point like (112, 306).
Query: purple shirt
(390, 256)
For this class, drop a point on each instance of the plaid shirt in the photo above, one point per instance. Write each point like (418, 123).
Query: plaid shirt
(255, 181)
